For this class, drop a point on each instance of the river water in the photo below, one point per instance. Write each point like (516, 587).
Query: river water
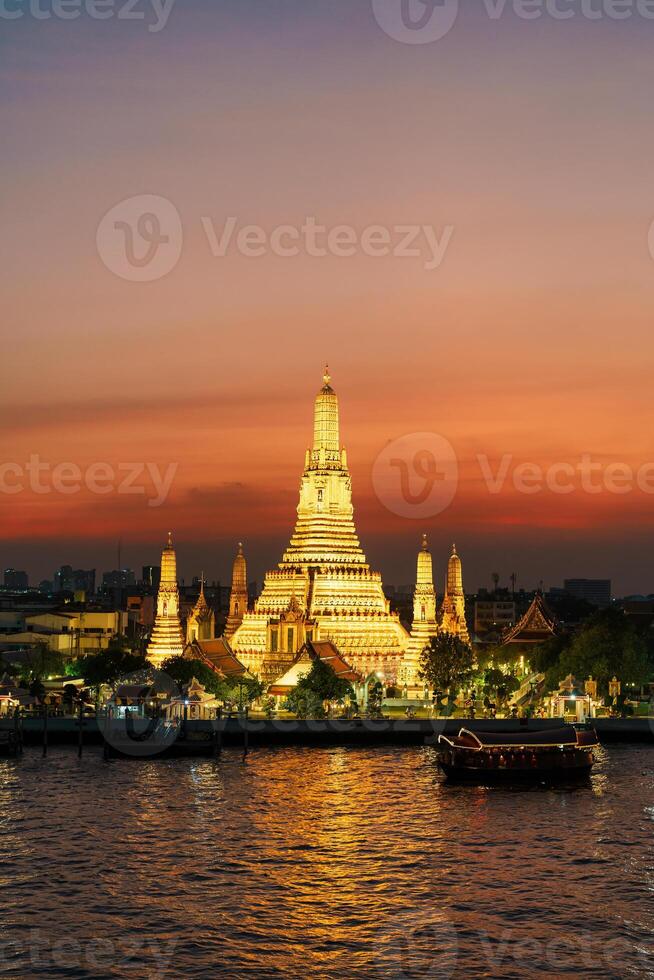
(338, 862)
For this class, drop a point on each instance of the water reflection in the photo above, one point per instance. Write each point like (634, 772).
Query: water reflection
(323, 863)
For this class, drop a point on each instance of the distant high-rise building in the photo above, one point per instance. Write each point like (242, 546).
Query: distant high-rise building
(119, 578)
(597, 592)
(69, 579)
(151, 576)
(494, 615)
(15, 579)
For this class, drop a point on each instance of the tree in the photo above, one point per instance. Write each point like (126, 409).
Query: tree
(38, 663)
(447, 664)
(499, 685)
(609, 644)
(108, 666)
(37, 689)
(319, 685)
(241, 689)
(183, 670)
(375, 699)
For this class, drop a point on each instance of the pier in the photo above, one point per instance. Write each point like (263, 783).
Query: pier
(208, 737)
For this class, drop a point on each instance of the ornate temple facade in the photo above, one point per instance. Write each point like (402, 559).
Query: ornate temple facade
(167, 639)
(323, 588)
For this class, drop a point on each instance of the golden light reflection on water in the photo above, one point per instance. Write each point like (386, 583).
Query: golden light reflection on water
(326, 863)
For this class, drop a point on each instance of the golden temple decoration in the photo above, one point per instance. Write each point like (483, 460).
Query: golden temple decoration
(167, 639)
(323, 588)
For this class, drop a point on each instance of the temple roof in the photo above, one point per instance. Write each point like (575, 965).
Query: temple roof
(329, 653)
(201, 609)
(538, 624)
(217, 654)
(314, 650)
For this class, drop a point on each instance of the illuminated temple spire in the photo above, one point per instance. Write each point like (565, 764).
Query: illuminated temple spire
(238, 597)
(323, 588)
(201, 622)
(167, 638)
(325, 420)
(324, 531)
(454, 602)
(425, 624)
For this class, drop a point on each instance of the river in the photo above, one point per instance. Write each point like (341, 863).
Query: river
(336, 862)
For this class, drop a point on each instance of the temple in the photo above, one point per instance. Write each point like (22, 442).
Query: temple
(323, 588)
(201, 622)
(167, 639)
(425, 622)
(453, 612)
(537, 625)
(238, 597)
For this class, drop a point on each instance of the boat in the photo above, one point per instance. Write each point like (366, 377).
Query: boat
(556, 755)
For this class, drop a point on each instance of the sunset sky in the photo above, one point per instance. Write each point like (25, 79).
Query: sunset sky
(532, 140)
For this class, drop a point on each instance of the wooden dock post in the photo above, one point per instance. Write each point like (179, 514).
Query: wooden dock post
(105, 748)
(218, 734)
(80, 737)
(18, 731)
(246, 734)
(45, 730)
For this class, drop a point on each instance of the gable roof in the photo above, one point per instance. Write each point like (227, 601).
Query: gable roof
(538, 624)
(216, 654)
(313, 650)
(329, 653)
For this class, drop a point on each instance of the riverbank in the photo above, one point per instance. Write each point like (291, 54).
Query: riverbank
(201, 737)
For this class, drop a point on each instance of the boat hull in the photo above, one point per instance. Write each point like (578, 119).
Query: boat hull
(516, 776)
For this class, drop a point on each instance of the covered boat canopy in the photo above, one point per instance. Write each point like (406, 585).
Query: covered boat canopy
(566, 735)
